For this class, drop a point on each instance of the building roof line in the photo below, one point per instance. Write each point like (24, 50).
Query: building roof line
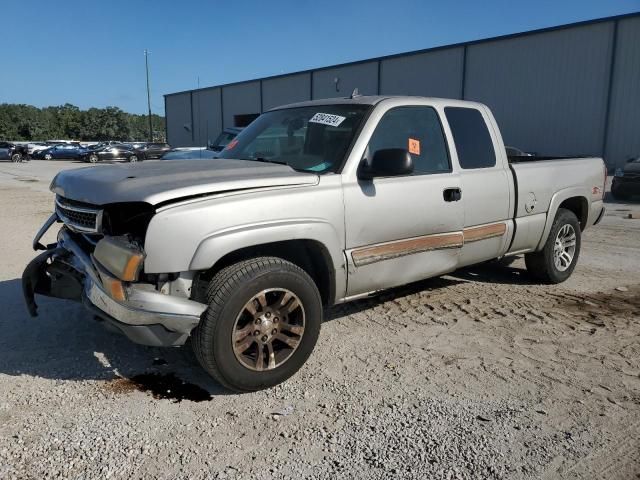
(417, 52)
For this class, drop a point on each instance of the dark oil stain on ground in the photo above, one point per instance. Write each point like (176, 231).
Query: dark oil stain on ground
(160, 386)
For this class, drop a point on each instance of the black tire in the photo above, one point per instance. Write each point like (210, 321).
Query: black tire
(618, 195)
(132, 159)
(93, 158)
(542, 264)
(16, 158)
(48, 156)
(227, 293)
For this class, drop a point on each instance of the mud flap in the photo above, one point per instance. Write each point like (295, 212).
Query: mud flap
(51, 279)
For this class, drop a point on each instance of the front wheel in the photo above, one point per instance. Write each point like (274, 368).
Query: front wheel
(93, 158)
(557, 259)
(16, 158)
(133, 159)
(48, 156)
(262, 323)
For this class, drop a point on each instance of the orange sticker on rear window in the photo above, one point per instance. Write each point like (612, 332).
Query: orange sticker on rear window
(231, 144)
(414, 146)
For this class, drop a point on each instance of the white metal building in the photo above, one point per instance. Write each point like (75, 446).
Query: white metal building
(567, 90)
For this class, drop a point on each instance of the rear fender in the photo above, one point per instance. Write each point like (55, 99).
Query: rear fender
(556, 201)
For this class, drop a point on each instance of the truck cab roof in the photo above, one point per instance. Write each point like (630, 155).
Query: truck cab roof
(376, 99)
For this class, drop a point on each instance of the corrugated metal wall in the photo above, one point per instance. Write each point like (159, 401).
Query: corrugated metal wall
(623, 138)
(240, 99)
(283, 90)
(178, 119)
(206, 116)
(432, 74)
(563, 91)
(363, 76)
(548, 91)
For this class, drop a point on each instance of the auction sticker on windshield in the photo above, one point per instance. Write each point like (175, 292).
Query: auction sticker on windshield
(327, 119)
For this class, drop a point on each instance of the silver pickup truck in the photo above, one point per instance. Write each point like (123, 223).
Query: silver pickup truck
(313, 204)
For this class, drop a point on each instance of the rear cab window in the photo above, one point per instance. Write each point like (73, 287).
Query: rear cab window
(471, 138)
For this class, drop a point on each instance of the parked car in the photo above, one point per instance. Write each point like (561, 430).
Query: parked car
(626, 181)
(313, 204)
(197, 153)
(224, 138)
(37, 147)
(154, 150)
(111, 153)
(60, 151)
(11, 151)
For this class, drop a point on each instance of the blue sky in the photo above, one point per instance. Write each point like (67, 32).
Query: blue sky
(90, 53)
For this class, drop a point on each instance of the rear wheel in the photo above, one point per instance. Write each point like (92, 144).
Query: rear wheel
(93, 158)
(48, 156)
(133, 159)
(557, 259)
(262, 323)
(16, 158)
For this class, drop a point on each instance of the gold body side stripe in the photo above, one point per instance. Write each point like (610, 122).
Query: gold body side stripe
(473, 234)
(399, 248)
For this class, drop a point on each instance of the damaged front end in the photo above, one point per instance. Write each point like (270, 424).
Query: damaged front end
(95, 263)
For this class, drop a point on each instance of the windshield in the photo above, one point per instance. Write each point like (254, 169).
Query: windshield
(222, 141)
(313, 139)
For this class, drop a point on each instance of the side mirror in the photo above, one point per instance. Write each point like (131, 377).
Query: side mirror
(389, 162)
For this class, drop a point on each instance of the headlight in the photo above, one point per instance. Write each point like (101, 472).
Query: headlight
(120, 257)
(619, 172)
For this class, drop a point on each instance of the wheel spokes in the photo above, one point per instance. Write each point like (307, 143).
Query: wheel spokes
(242, 333)
(273, 320)
(272, 357)
(295, 329)
(242, 346)
(260, 357)
(290, 341)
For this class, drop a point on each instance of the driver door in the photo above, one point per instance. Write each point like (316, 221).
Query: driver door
(404, 228)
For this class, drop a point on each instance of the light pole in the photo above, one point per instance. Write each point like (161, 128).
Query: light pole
(146, 63)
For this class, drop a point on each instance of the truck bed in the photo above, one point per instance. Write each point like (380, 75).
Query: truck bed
(542, 184)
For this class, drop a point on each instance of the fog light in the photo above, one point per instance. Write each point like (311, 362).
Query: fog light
(119, 257)
(115, 289)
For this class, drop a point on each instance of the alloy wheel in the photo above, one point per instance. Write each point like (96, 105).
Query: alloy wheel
(268, 329)
(564, 248)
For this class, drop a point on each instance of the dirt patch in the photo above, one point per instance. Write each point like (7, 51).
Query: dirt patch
(606, 304)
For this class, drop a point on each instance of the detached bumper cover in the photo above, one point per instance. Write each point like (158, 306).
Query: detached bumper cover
(147, 316)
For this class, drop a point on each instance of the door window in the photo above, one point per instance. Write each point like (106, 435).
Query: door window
(471, 136)
(417, 130)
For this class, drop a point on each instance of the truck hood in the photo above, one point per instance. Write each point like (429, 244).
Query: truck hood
(165, 181)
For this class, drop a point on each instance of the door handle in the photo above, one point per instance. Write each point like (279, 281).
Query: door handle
(452, 194)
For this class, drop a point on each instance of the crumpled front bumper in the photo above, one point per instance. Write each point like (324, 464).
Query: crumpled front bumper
(65, 270)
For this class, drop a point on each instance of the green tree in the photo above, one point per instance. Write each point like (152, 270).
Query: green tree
(26, 122)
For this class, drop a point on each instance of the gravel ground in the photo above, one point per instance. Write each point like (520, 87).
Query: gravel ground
(478, 374)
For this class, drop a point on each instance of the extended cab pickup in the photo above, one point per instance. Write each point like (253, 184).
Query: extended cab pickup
(313, 204)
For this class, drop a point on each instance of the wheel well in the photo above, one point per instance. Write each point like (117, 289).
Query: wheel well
(309, 255)
(580, 207)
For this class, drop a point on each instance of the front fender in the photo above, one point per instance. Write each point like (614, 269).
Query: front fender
(556, 201)
(217, 245)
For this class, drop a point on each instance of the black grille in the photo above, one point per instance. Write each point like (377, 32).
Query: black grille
(79, 216)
